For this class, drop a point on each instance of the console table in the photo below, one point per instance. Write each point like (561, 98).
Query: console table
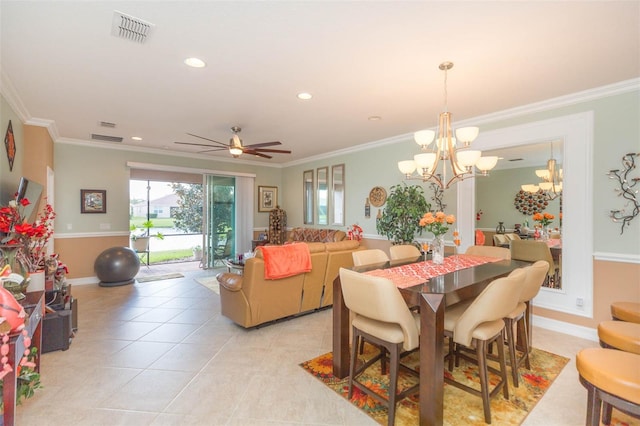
(34, 307)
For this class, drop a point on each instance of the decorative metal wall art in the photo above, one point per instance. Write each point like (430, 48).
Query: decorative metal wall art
(530, 202)
(438, 193)
(632, 208)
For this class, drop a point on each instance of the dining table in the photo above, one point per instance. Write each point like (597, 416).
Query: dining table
(431, 288)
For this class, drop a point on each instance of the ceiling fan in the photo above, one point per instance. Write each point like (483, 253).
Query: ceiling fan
(235, 146)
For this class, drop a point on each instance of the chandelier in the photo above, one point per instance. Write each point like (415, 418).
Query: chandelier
(551, 185)
(432, 165)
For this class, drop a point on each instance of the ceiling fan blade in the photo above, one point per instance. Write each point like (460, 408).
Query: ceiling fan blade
(263, 144)
(253, 152)
(281, 151)
(207, 139)
(212, 150)
(199, 144)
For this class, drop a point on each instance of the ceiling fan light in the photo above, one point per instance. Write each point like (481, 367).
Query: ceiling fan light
(407, 167)
(235, 151)
(467, 134)
(424, 137)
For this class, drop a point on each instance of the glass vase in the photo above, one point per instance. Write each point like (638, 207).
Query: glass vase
(11, 257)
(437, 250)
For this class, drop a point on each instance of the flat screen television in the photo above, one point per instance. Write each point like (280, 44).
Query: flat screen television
(32, 191)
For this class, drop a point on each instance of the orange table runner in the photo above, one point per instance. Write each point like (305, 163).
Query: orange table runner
(417, 273)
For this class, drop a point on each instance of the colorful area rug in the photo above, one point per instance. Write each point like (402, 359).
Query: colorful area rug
(210, 282)
(460, 407)
(159, 277)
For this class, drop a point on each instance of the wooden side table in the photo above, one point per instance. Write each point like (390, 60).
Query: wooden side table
(232, 266)
(34, 307)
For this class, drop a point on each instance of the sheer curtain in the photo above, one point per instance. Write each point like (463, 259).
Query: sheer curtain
(244, 213)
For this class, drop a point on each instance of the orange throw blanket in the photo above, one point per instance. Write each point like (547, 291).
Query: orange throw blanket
(285, 261)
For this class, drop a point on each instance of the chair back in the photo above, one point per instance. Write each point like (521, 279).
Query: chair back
(532, 251)
(536, 275)
(495, 302)
(379, 299)
(555, 236)
(512, 236)
(479, 238)
(367, 257)
(404, 251)
(489, 251)
(500, 240)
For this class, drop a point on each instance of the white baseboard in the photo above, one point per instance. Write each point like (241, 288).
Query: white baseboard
(83, 281)
(566, 328)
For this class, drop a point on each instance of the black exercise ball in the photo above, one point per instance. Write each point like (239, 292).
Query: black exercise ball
(117, 266)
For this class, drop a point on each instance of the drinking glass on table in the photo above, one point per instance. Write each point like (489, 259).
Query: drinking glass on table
(424, 244)
(456, 242)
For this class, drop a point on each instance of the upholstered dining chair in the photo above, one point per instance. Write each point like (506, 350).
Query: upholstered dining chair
(404, 251)
(381, 317)
(530, 287)
(512, 236)
(499, 240)
(369, 256)
(532, 251)
(489, 251)
(477, 326)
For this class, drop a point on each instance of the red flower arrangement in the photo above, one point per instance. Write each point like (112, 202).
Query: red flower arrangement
(32, 238)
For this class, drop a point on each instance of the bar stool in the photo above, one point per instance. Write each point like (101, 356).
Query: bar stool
(621, 335)
(626, 311)
(612, 379)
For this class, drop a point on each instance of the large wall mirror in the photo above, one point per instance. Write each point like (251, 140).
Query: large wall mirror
(307, 196)
(322, 195)
(337, 193)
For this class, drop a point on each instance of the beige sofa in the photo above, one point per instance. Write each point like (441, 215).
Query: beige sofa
(251, 300)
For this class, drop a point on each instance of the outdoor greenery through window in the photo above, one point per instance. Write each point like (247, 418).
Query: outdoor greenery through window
(169, 216)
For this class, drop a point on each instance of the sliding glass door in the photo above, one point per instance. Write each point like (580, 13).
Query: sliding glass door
(219, 219)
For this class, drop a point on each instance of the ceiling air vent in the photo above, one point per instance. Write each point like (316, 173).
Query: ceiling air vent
(130, 28)
(105, 138)
(516, 159)
(107, 124)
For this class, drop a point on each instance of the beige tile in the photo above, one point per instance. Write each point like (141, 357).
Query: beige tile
(125, 366)
(151, 390)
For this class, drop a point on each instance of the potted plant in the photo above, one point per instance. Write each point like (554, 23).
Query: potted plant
(140, 237)
(402, 213)
(197, 252)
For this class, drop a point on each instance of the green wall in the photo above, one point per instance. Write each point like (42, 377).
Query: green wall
(616, 132)
(82, 167)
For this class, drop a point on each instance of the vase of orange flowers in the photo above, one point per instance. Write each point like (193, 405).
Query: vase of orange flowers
(544, 219)
(438, 224)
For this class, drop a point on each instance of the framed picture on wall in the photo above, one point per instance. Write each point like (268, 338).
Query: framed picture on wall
(267, 198)
(93, 201)
(10, 145)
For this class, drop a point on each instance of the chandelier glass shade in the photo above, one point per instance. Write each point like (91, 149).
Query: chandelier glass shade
(449, 155)
(551, 185)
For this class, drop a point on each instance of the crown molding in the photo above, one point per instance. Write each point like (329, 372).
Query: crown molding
(8, 91)
(148, 150)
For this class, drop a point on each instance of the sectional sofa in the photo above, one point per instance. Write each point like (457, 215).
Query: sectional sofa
(250, 299)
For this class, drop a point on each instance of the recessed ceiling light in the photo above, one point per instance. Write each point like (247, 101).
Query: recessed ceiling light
(304, 96)
(195, 62)
(374, 118)
(136, 138)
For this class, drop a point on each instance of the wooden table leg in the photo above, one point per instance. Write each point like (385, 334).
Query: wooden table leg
(340, 332)
(431, 359)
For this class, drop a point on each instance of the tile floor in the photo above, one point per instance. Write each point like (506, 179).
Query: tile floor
(160, 353)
